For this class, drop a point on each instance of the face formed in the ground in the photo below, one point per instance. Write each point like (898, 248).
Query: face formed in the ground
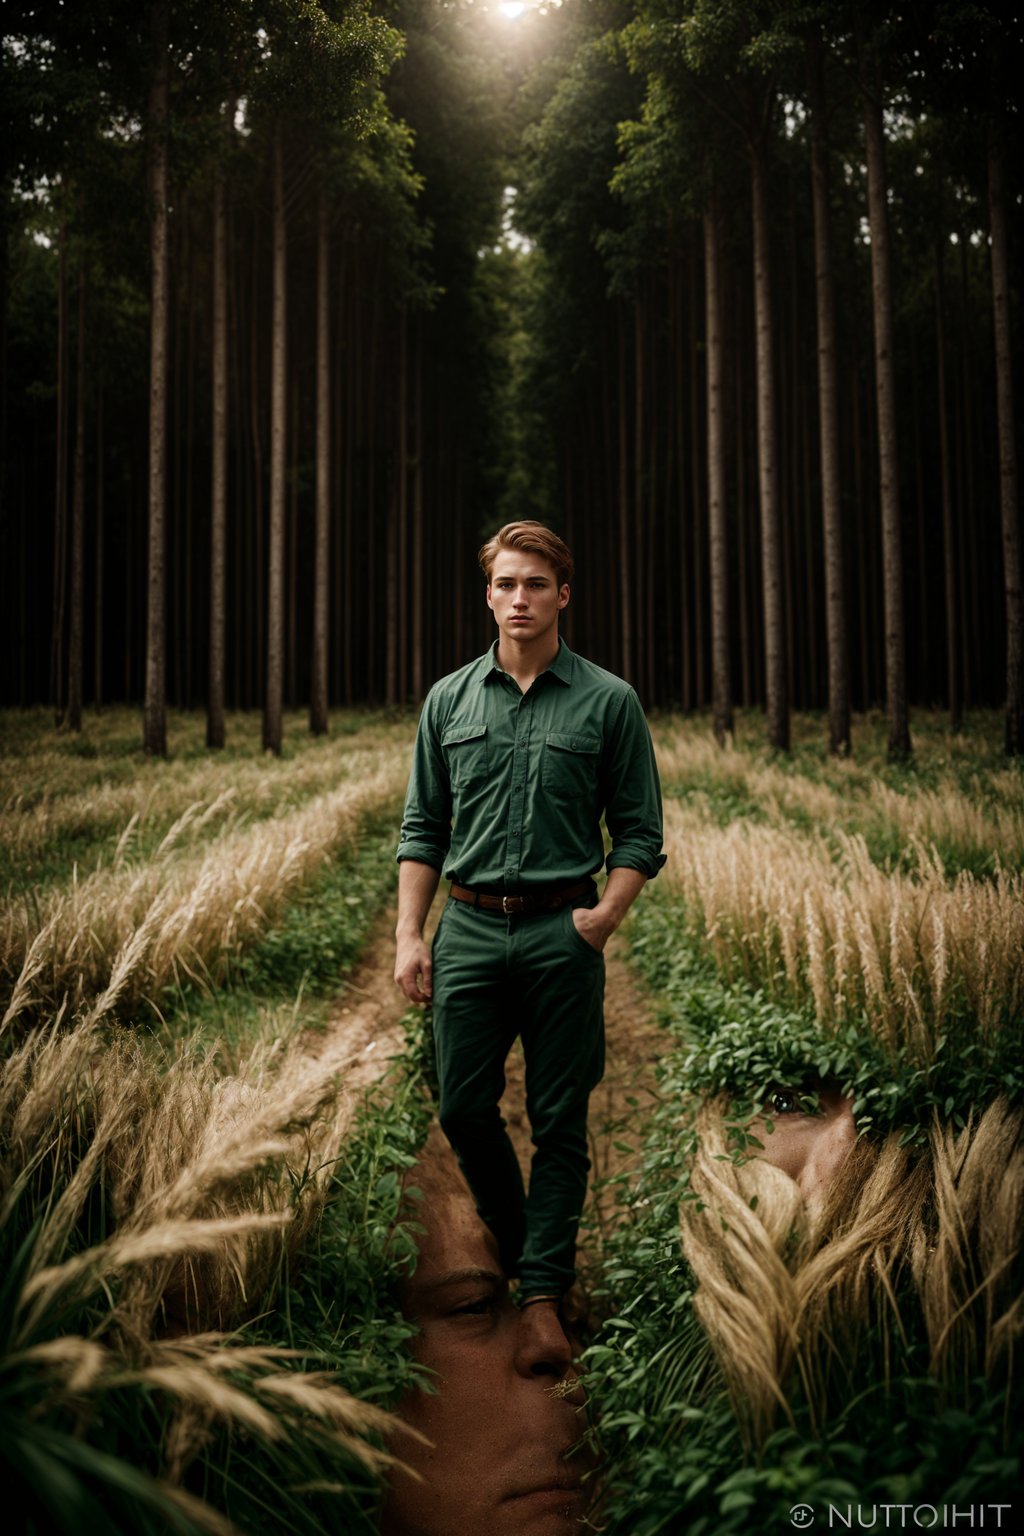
(810, 1137)
(496, 1465)
(524, 595)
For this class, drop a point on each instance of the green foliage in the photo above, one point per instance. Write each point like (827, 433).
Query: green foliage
(312, 56)
(739, 1042)
(320, 936)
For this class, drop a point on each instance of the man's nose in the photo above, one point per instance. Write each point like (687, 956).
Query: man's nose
(542, 1348)
(831, 1148)
(519, 599)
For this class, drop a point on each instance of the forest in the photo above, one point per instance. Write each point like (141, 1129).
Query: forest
(302, 300)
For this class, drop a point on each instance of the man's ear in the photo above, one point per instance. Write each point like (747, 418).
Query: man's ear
(563, 594)
(489, 603)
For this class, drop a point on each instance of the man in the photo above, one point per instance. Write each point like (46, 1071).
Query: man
(517, 756)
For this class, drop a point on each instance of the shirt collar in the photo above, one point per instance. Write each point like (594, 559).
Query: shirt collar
(560, 668)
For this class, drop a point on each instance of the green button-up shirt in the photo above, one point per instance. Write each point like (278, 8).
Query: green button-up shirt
(508, 788)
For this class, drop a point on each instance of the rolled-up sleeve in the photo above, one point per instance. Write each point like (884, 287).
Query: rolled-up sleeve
(427, 819)
(632, 793)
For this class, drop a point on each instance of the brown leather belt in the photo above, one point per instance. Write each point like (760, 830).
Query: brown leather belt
(529, 901)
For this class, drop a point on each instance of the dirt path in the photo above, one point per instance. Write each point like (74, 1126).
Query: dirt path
(365, 1026)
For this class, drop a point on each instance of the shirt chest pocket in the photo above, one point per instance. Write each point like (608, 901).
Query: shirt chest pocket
(569, 765)
(465, 753)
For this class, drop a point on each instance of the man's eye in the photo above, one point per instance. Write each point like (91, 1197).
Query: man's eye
(783, 1101)
(480, 1306)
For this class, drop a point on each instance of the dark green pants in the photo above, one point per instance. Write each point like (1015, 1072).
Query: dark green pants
(497, 977)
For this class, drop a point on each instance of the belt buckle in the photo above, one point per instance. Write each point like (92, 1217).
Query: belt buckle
(506, 909)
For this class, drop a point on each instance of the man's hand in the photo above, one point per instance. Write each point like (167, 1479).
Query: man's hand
(592, 927)
(595, 925)
(414, 968)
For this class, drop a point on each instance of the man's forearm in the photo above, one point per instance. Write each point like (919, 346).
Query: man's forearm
(620, 892)
(414, 970)
(417, 885)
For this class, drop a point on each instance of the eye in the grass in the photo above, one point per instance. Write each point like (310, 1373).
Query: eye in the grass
(784, 1101)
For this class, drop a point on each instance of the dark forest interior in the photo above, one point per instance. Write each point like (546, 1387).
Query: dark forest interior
(421, 268)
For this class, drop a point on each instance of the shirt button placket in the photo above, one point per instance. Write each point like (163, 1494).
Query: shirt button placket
(517, 796)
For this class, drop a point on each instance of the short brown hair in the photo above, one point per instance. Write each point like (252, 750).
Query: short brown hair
(533, 539)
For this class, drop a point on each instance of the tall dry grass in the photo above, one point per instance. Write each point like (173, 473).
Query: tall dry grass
(913, 1246)
(983, 821)
(145, 1213)
(126, 932)
(910, 948)
(48, 795)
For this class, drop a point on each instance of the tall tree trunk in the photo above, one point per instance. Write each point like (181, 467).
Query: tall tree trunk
(219, 468)
(622, 557)
(292, 563)
(1014, 735)
(177, 305)
(418, 640)
(190, 437)
(721, 689)
(97, 667)
(76, 636)
(828, 422)
(321, 549)
(771, 542)
(391, 591)
(742, 519)
(969, 584)
(948, 550)
(655, 694)
(278, 410)
(373, 415)
(687, 691)
(60, 505)
(403, 510)
(639, 365)
(155, 710)
(885, 387)
(129, 588)
(919, 507)
(337, 580)
(354, 405)
(696, 500)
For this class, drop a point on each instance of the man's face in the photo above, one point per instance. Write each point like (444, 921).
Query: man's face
(810, 1147)
(496, 1465)
(524, 595)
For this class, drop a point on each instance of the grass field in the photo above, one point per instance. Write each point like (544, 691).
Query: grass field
(172, 936)
(848, 920)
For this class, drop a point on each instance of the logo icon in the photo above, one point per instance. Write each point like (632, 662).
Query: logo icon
(802, 1516)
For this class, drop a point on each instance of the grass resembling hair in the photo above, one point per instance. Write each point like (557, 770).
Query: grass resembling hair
(531, 538)
(913, 1267)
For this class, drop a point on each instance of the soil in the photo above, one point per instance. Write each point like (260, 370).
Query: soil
(365, 1030)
